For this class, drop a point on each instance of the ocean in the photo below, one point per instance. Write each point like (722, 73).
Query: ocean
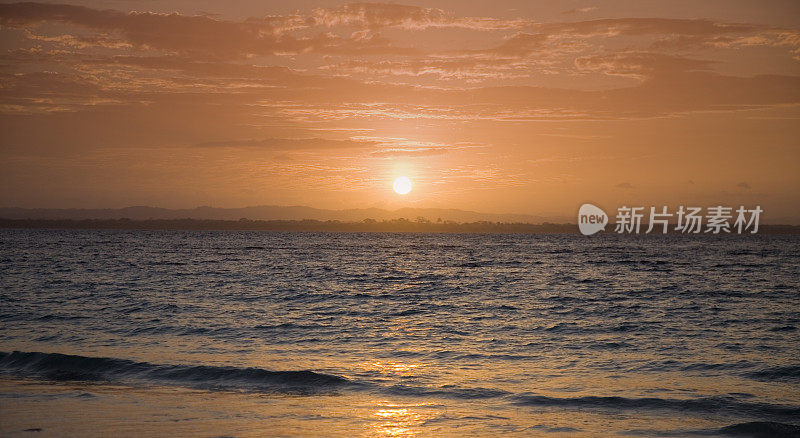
(153, 333)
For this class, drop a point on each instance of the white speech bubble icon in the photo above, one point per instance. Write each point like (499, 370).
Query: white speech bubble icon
(591, 219)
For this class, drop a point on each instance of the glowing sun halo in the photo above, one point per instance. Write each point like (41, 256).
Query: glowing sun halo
(402, 185)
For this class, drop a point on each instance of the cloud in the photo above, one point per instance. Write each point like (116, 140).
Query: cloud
(205, 37)
(647, 26)
(744, 185)
(198, 36)
(254, 95)
(522, 44)
(580, 10)
(640, 64)
(393, 153)
(191, 87)
(678, 33)
(540, 48)
(380, 15)
(286, 144)
(661, 95)
(196, 68)
(441, 68)
(624, 185)
(556, 41)
(391, 148)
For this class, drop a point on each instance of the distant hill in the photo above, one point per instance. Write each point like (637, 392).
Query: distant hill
(390, 226)
(268, 212)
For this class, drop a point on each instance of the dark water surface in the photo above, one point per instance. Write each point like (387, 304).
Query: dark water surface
(254, 333)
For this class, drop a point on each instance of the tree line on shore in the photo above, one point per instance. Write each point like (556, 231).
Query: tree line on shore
(401, 225)
(367, 225)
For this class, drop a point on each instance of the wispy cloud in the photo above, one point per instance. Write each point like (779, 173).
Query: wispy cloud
(198, 36)
(641, 65)
(580, 10)
(285, 144)
(381, 15)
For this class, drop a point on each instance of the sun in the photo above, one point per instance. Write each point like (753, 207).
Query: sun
(402, 185)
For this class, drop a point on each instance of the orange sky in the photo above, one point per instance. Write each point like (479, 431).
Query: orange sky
(502, 106)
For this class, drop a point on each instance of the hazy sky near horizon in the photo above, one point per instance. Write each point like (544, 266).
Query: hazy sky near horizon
(502, 106)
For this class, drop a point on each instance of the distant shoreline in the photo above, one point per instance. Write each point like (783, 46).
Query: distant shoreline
(309, 225)
(388, 226)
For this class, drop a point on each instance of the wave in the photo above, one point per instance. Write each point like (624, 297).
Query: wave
(789, 373)
(766, 429)
(65, 367)
(447, 391)
(728, 405)
(751, 429)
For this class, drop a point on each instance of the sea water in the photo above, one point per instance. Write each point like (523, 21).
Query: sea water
(349, 334)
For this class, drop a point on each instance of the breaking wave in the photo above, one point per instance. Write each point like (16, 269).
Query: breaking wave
(65, 367)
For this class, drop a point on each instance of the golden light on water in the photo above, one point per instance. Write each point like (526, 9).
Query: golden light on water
(401, 420)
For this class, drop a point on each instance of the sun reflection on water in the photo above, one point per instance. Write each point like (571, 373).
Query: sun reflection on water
(397, 368)
(400, 420)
